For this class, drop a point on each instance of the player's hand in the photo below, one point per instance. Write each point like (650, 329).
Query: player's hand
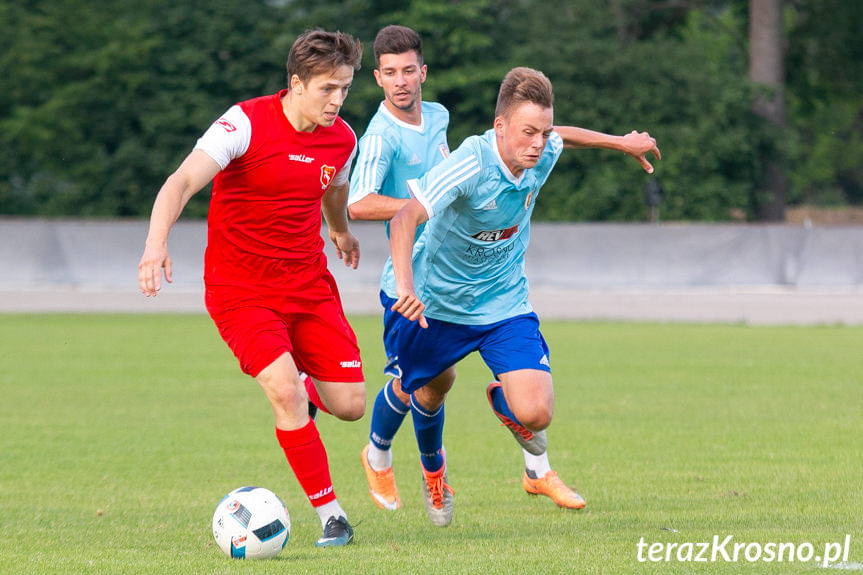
(410, 306)
(154, 260)
(638, 145)
(347, 247)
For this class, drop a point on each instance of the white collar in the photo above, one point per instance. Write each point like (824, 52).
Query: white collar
(402, 123)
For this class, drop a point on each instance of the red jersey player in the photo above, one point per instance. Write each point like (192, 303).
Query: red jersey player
(277, 162)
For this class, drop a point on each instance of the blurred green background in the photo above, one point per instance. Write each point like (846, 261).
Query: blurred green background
(101, 100)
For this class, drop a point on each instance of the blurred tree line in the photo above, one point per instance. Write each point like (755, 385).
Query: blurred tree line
(101, 100)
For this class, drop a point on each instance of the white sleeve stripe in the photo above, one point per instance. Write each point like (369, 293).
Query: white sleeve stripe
(368, 159)
(556, 142)
(360, 169)
(375, 144)
(451, 178)
(414, 189)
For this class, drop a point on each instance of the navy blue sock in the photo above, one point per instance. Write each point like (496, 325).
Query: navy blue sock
(387, 416)
(500, 405)
(428, 427)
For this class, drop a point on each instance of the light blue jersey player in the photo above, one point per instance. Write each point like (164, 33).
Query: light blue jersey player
(392, 152)
(471, 266)
(405, 139)
(465, 289)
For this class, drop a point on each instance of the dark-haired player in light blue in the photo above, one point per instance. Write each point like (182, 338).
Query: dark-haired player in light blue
(465, 289)
(404, 139)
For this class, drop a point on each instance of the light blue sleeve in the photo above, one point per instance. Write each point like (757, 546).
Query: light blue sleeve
(454, 177)
(373, 164)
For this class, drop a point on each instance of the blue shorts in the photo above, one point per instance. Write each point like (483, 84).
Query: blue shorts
(422, 354)
(390, 321)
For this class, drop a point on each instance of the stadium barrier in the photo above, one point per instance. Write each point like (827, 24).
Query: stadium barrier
(572, 267)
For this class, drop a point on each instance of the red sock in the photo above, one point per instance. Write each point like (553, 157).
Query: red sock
(308, 458)
(314, 397)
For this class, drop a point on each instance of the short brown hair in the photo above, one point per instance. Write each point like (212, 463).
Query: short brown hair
(396, 39)
(522, 85)
(317, 51)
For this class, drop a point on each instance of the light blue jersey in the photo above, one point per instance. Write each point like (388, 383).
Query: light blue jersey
(392, 152)
(470, 267)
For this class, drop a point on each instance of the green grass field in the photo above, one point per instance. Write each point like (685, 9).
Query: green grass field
(120, 433)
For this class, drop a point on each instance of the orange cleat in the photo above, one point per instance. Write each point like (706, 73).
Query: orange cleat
(551, 486)
(438, 496)
(382, 484)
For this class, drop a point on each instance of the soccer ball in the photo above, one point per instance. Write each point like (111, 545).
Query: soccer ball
(251, 523)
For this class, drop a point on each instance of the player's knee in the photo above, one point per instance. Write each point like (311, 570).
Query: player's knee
(350, 405)
(285, 396)
(537, 418)
(397, 390)
(355, 409)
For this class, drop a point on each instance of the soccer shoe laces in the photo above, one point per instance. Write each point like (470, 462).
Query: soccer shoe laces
(522, 431)
(436, 486)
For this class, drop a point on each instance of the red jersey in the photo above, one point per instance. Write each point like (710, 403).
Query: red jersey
(266, 201)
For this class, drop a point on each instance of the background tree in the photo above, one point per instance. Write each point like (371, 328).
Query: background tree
(767, 69)
(101, 101)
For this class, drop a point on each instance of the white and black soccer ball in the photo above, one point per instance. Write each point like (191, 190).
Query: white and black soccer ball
(251, 523)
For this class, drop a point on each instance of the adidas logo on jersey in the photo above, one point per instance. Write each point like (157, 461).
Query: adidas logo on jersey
(492, 205)
(414, 161)
(544, 361)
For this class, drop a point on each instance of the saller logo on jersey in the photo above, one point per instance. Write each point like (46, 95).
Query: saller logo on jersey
(229, 127)
(327, 173)
(496, 235)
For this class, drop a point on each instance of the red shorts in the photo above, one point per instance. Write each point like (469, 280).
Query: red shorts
(308, 322)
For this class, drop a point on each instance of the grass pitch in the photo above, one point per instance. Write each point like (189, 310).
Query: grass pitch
(120, 433)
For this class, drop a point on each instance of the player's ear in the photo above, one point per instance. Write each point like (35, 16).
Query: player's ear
(423, 72)
(296, 84)
(377, 74)
(498, 125)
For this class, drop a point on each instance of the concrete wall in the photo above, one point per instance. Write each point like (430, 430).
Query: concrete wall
(73, 264)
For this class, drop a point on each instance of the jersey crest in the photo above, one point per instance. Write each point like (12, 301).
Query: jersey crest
(327, 173)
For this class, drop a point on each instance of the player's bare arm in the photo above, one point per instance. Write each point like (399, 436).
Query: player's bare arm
(635, 144)
(403, 227)
(196, 171)
(376, 207)
(334, 207)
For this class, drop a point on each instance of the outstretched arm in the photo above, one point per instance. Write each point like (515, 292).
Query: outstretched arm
(194, 173)
(635, 144)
